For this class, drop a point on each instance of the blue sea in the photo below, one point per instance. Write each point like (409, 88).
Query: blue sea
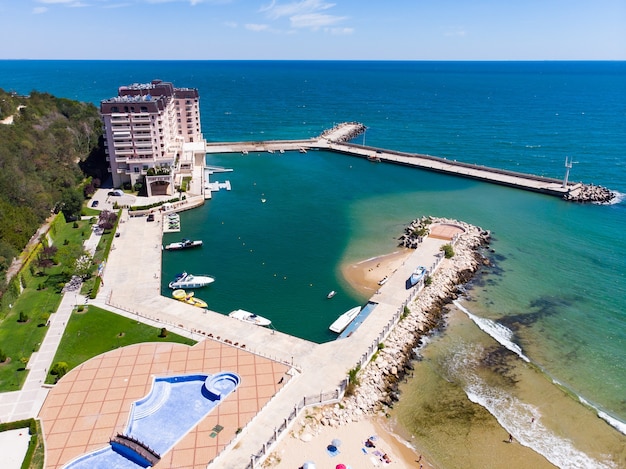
(537, 347)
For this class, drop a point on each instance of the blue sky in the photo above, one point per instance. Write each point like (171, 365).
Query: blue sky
(314, 29)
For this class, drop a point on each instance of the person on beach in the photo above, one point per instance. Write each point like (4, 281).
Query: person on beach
(510, 438)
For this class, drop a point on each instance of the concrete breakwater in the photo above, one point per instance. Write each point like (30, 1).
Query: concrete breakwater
(336, 140)
(380, 378)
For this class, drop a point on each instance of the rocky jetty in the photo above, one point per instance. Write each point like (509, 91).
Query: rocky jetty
(378, 382)
(591, 193)
(415, 232)
(344, 132)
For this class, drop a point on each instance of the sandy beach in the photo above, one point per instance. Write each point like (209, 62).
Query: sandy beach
(364, 275)
(308, 442)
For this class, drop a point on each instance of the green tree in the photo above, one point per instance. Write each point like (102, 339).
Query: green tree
(71, 202)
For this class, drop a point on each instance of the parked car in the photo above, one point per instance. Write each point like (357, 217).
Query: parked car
(94, 203)
(150, 217)
(116, 193)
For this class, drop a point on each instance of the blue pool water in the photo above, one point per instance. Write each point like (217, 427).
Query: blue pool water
(173, 407)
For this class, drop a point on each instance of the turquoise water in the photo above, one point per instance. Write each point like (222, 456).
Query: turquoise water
(558, 283)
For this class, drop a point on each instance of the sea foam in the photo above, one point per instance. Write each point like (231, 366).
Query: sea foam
(522, 420)
(500, 333)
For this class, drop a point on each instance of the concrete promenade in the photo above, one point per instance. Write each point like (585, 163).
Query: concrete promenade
(132, 284)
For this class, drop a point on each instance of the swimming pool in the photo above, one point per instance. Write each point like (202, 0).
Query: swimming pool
(173, 407)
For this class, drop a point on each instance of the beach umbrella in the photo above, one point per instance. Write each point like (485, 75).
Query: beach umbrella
(306, 437)
(308, 465)
(331, 448)
(336, 442)
(340, 466)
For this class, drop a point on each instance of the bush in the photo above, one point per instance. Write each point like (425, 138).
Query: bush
(59, 369)
(447, 250)
(163, 332)
(353, 380)
(3, 356)
(23, 317)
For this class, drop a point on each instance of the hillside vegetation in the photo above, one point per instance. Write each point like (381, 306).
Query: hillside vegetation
(50, 155)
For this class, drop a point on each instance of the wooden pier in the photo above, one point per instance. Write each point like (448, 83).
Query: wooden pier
(335, 140)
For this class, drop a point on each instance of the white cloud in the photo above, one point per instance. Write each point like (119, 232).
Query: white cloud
(39, 10)
(57, 2)
(340, 31)
(313, 20)
(275, 10)
(257, 27)
(457, 33)
(305, 14)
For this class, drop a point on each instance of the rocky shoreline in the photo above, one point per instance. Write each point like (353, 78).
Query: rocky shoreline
(379, 380)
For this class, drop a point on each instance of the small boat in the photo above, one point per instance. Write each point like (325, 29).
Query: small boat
(344, 320)
(331, 294)
(185, 280)
(189, 298)
(281, 150)
(416, 276)
(252, 318)
(183, 244)
(302, 150)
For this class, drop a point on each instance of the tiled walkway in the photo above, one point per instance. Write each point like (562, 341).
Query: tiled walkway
(92, 402)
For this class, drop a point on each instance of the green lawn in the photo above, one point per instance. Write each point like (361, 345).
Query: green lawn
(95, 331)
(39, 298)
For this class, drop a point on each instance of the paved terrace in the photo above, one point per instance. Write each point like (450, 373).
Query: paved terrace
(132, 283)
(334, 141)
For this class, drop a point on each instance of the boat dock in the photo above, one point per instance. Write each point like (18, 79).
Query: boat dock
(336, 140)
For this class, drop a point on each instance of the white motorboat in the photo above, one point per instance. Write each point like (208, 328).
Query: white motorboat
(252, 318)
(185, 280)
(416, 276)
(344, 320)
(331, 294)
(183, 244)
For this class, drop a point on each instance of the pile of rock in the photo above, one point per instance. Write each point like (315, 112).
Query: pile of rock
(415, 232)
(344, 132)
(379, 380)
(591, 193)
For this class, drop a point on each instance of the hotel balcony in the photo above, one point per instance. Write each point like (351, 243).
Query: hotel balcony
(141, 120)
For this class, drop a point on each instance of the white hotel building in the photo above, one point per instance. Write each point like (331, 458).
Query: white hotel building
(152, 135)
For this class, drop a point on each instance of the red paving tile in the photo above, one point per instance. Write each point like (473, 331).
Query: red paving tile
(92, 402)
